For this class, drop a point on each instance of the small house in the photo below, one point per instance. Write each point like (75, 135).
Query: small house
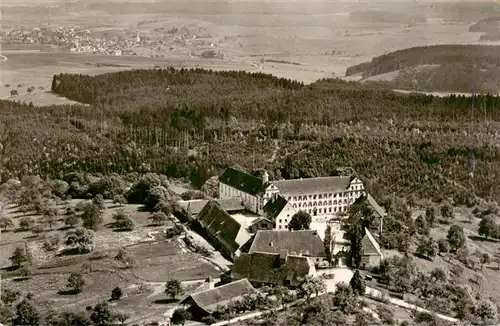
(207, 302)
(371, 253)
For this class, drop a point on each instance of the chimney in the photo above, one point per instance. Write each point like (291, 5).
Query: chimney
(265, 177)
(211, 283)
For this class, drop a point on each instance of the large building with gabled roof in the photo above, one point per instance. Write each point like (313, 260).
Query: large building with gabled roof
(305, 243)
(320, 197)
(263, 268)
(225, 233)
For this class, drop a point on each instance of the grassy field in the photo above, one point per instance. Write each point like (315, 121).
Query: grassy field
(157, 261)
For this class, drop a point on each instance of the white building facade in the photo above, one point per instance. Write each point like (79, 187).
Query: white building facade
(323, 198)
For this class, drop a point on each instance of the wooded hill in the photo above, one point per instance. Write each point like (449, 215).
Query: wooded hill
(457, 68)
(194, 123)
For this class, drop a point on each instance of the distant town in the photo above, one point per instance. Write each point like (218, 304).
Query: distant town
(100, 43)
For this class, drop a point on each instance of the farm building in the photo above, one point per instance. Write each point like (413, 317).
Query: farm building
(262, 268)
(371, 253)
(222, 230)
(190, 209)
(280, 211)
(205, 303)
(260, 224)
(305, 243)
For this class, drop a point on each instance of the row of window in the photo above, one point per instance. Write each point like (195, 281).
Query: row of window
(325, 196)
(323, 203)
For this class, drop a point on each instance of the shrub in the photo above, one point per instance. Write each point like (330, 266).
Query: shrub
(158, 218)
(76, 282)
(174, 231)
(116, 294)
(72, 221)
(37, 229)
(52, 242)
(26, 223)
(18, 257)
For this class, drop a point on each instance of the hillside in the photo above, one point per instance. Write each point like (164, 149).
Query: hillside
(193, 123)
(489, 26)
(456, 68)
(190, 125)
(379, 16)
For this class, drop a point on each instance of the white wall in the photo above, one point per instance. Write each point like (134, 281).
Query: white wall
(284, 217)
(250, 202)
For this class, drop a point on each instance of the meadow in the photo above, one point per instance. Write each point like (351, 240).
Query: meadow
(157, 261)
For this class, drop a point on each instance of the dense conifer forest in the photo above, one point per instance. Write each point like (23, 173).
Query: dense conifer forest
(193, 123)
(455, 68)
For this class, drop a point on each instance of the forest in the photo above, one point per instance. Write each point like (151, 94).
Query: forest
(450, 68)
(192, 124)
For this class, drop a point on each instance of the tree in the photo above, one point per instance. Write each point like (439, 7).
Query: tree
(421, 225)
(76, 282)
(37, 229)
(71, 221)
(92, 216)
(81, 238)
(487, 226)
(18, 257)
(158, 218)
(363, 319)
(280, 292)
(116, 294)
(345, 299)
(6, 223)
(49, 216)
(427, 248)
(122, 221)
(26, 271)
(430, 216)
(438, 274)
(119, 200)
(26, 223)
(52, 242)
(101, 314)
(173, 288)
(487, 311)
(180, 316)
(360, 218)
(310, 285)
(98, 201)
(125, 258)
(327, 242)
(456, 238)
(447, 211)
(300, 221)
(9, 296)
(386, 315)
(484, 258)
(357, 283)
(26, 314)
(443, 246)
(67, 318)
(121, 317)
